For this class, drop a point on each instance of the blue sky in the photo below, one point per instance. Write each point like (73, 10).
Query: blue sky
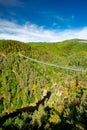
(43, 20)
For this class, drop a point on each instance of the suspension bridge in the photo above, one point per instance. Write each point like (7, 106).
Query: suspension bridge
(55, 65)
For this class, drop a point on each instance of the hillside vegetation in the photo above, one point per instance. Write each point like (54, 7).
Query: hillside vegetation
(39, 96)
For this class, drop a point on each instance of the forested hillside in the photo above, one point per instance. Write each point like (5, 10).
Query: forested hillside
(40, 96)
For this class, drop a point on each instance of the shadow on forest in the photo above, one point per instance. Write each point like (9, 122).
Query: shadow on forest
(71, 118)
(30, 109)
(73, 121)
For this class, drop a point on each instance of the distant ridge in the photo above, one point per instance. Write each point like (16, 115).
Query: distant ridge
(76, 39)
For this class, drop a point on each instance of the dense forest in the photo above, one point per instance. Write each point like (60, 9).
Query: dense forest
(38, 96)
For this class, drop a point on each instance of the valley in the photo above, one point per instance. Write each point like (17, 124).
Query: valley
(43, 85)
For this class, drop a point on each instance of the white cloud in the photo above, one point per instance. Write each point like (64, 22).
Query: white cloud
(60, 18)
(11, 2)
(32, 33)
